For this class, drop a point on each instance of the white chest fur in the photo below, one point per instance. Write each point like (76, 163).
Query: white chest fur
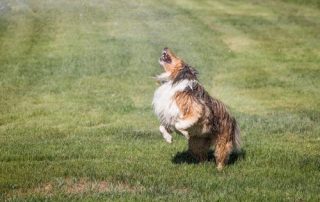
(164, 103)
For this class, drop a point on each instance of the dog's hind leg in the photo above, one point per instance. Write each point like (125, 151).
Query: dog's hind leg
(223, 149)
(166, 134)
(199, 147)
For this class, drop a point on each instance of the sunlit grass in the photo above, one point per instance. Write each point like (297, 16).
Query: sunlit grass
(76, 86)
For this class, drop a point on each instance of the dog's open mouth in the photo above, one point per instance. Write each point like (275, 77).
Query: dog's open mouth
(165, 57)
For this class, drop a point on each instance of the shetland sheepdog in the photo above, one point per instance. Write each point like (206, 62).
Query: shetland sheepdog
(183, 106)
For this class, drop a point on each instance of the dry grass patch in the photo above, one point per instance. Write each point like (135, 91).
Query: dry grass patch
(69, 186)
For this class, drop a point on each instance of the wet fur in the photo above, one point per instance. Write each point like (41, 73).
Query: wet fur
(183, 105)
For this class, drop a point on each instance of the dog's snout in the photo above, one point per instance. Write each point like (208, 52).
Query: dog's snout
(165, 51)
(165, 56)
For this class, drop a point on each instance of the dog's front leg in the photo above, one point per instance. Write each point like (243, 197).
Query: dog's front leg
(165, 134)
(182, 127)
(185, 133)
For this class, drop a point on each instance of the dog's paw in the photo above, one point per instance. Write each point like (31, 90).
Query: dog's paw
(168, 139)
(220, 167)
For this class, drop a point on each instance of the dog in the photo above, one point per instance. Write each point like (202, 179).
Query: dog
(184, 106)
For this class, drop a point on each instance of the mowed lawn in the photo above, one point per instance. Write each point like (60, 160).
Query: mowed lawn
(76, 121)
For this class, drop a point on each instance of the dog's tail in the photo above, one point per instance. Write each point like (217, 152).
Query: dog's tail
(236, 136)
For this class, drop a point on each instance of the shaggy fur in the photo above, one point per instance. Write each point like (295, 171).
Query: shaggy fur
(184, 106)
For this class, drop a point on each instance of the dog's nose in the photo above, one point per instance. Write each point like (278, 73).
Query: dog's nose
(165, 49)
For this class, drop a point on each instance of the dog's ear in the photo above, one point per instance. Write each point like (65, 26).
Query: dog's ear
(194, 71)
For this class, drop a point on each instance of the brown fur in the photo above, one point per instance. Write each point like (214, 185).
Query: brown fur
(213, 124)
(188, 105)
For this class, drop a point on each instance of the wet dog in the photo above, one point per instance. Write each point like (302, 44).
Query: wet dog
(184, 106)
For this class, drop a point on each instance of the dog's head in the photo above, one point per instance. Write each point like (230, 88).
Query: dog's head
(170, 62)
(175, 68)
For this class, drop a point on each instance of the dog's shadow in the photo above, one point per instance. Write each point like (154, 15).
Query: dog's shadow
(186, 157)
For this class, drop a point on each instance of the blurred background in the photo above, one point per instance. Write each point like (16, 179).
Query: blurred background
(76, 86)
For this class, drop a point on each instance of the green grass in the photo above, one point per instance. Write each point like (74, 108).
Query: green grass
(76, 121)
